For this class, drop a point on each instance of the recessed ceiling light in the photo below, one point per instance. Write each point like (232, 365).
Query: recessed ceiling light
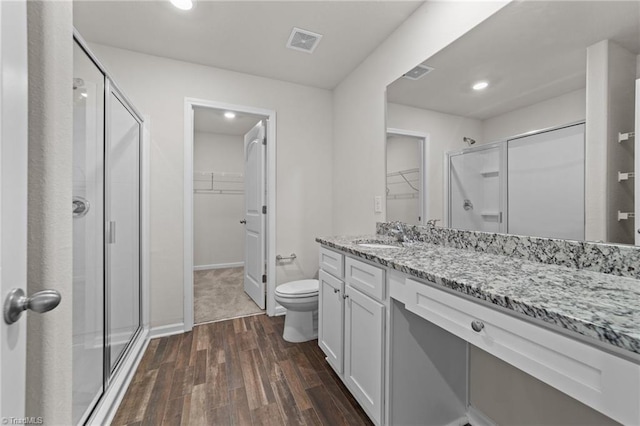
(480, 85)
(230, 115)
(182, 4)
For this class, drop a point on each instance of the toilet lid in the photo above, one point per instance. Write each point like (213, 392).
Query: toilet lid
(298, 288)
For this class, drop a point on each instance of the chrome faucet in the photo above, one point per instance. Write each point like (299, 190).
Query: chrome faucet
(398, 233)
(432, 222)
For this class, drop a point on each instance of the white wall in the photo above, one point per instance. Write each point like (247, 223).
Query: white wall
(611, 72)
(620, 156)
(218, 235)
(158, 86)
(563, 109)
(50, 262)
(445, 134)
(359, 106)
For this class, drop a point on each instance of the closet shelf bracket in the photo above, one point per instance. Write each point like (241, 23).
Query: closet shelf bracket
(625, 215)
(625, 136)
(625, 176)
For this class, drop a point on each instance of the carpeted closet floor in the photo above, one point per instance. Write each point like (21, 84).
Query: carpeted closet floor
(219, 294)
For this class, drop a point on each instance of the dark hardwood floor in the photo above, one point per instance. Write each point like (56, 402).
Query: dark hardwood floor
(236, 372)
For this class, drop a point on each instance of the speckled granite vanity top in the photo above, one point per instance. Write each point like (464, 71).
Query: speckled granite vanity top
(602, 306)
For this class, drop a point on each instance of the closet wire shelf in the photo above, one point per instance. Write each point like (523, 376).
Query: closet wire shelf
(403, 184)
(218, 183)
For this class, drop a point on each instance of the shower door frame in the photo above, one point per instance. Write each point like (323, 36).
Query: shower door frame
(116, 380)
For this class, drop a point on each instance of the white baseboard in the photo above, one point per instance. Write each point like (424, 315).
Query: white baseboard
(218, 266)
(166, 330)
(478, 418)
(280, 310)
(108, 406)
(460, 422)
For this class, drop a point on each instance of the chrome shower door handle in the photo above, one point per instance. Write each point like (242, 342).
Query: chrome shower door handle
(111, 232)
(16, 303)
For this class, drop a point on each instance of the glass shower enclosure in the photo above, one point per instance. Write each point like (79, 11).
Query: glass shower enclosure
(475, 181)
(106, 230)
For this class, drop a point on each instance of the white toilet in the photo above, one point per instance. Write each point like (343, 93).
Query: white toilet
(300, 298)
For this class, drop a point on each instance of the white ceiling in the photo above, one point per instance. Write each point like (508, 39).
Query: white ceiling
(211, 120)
(248, 36)
(528, 52)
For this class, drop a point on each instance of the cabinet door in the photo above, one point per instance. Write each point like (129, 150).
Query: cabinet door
(331, 319)
(364, 348)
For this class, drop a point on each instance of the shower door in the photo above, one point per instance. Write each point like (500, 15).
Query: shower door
(122, 226)
(88, 241)
(476, 199)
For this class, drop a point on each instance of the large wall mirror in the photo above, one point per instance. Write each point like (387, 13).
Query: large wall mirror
(530, 121)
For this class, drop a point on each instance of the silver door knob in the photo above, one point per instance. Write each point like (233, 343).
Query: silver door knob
(16, 302)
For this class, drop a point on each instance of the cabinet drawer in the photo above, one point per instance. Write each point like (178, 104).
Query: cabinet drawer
(366, 278)
(606, 382)
(332, 262)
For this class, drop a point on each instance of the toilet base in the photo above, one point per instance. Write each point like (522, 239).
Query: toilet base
(300, 326)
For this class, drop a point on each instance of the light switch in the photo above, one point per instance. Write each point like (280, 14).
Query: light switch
(377, 204)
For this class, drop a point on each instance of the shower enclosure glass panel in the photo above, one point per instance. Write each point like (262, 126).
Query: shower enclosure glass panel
(88, 220)
(106, 230)
(123, 226)
(474, 189)
(546, 184)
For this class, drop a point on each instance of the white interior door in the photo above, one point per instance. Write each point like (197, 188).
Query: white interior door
(255, 214)
(13, 199)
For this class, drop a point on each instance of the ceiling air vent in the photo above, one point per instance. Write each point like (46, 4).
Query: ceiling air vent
(418, 72)
(303, 40)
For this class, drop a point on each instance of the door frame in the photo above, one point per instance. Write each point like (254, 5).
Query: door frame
(189, 104)
(424, 163)
(13, 200)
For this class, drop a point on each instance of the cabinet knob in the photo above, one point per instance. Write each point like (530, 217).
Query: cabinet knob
(477, 325)
(336, 290)
(346, 296)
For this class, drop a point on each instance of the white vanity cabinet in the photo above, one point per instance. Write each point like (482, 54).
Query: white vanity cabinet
(351, 326)
(331, 319)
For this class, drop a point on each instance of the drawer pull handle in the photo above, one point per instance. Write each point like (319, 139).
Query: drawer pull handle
(477, 325)
(335, 290)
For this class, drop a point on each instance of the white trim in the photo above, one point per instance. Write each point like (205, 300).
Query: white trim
(280, 310)
(218, 266)
(189, 104)
(461, 421)
(477, 417)
(166, 330)
(424, 165)
(119, 382)
(145, 240)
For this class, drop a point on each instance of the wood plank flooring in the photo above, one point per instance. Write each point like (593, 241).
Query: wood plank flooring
(236, 372)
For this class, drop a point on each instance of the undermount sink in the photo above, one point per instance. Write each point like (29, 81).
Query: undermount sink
(377, 245)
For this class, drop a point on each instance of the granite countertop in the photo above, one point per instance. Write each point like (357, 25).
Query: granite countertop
(601, 306)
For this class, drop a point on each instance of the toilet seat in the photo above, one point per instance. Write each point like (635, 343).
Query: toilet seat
(298, 289)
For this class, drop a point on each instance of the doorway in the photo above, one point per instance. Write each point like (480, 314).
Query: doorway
(406, 178)
(228, 229)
